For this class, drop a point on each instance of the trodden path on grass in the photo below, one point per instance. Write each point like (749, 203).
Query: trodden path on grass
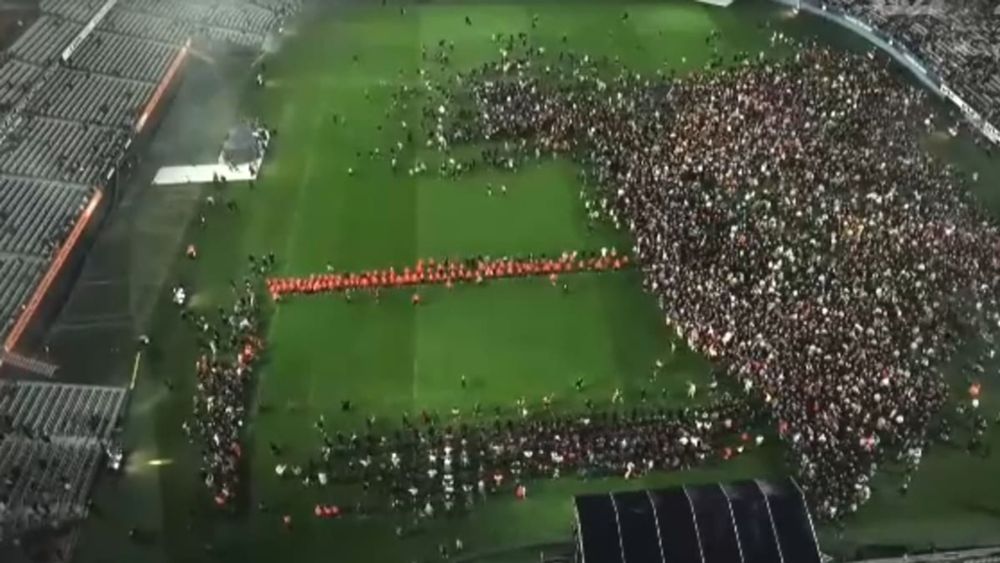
(449, 272)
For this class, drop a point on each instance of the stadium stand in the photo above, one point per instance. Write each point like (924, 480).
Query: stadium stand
(72, 151)
(75, 87)
(53, 437)
(33, 366)
(129, 57)
(37, 410)
(15, 79)
(17, 277)
(77, 10)
(147, 26)
(247, 17)
(958, 39)
(44, 41)
(97, 99)
(46, 483)
(182, 11)
(240, 23)
(49, 209)
(66, 123)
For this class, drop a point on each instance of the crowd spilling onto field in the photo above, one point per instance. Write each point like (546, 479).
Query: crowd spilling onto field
(230, 344)
(790, 223)
(437, 465)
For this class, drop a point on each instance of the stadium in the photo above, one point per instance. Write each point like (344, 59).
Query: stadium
(472, 280)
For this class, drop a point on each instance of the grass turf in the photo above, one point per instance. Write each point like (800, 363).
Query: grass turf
(512, 339)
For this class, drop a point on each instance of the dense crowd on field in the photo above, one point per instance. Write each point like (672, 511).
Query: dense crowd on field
(436, 465)
(788, 218)
(793, 228)
(230, 344)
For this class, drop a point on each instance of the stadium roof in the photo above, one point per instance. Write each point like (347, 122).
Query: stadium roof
(743, 522)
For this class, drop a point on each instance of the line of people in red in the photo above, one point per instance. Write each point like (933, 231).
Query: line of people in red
(449, 272)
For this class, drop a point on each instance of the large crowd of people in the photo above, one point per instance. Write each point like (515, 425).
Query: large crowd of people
(957, 40)
(435, 466)
(787, 218)
(230, 345)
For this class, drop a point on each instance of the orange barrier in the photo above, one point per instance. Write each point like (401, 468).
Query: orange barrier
(43, 287)
(161, 89)
(448, 273)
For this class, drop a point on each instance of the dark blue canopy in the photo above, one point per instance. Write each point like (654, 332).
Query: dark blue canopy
(743, 522)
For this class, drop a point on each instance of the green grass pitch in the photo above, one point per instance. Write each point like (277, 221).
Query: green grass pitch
(511, 339)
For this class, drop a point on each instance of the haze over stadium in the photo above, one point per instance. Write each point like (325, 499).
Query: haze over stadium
(570, 280)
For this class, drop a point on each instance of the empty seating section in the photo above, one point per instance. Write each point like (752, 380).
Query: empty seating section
(15, 78)
(137, 24)
(64, 125)
(244, 17)
(36, 215)
(45, 483)
(18, 276)
(128, 57)
(61, 150)
(36, 410)
(280, 7)
(233, 21)
(76, 10)
(93, 98)
(44, 41)
(176, 10)
(233, 36)
(53, 436)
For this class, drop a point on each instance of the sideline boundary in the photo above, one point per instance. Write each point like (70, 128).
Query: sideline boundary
(135, 370)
